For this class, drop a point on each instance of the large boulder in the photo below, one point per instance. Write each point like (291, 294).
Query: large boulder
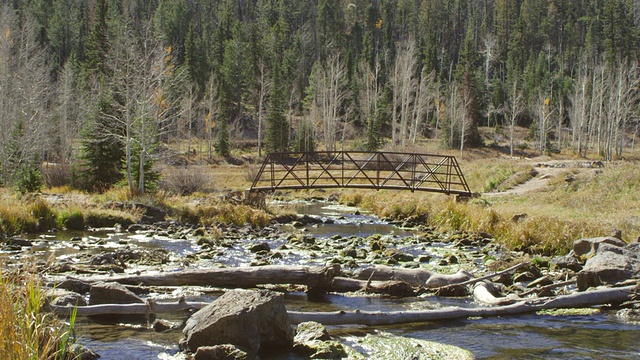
(112, 293)
(220, 352)
(255, 321)
(610, 264)
(589, 247)
(313, 340)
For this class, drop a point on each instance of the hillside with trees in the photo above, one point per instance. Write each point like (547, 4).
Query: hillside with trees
(103, 87)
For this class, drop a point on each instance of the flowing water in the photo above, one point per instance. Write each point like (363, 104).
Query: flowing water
(598, 336)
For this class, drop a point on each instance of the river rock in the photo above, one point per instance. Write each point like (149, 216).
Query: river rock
(589, 247)
(610, 264)
(19, 242)
(253, 320)
(221, 352)
(568, 261)
(112, 293)
(82, 353)
(74, 285)
(69, 298)
(313, 340)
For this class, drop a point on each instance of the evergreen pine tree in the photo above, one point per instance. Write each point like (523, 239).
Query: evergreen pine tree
(101, 154)
(223, 146)
(277, 125)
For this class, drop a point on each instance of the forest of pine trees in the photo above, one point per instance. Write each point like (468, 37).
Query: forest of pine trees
(103, 85)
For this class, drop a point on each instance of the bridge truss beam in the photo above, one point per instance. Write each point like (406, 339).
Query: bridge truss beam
(361, 170)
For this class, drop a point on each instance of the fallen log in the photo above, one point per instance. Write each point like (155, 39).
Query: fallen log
(357, 317)
(542, 289)
(150, 307)
(485, 293)
(414, 277)
(485, 277)
(576, 300)
(394, 288)
(236, 277)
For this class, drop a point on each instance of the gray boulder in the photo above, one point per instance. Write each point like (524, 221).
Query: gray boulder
(313, 340)
(112, 293)
(221, 352)
(568, 261)
(589, 247)
(609, 265)
(69, 298)
(253, 320)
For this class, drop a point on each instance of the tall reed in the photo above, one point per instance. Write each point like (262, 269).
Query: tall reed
(26, 330)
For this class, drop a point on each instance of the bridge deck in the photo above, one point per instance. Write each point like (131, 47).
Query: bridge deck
(361, 170)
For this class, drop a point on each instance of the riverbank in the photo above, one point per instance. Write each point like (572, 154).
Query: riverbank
(169, 248)
(539, 206)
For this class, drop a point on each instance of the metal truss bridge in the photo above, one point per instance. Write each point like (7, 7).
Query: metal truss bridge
(361, 170)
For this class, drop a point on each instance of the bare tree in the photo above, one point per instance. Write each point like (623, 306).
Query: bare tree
(623, 102)
(142, 71)
(403, 83)
(25, 91)
(454, 112)
(329, 92)
(579, 114)
(423, 102)
(211, 103)
(514, 106)
(543, 112)
(264, 83)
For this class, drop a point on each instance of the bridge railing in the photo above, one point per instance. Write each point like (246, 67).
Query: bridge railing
(362, 170)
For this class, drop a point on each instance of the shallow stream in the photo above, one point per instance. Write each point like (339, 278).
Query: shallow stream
(520, 337)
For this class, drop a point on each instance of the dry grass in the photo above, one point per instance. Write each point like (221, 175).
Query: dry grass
(225, 213)
(28, 332)
(592, 204)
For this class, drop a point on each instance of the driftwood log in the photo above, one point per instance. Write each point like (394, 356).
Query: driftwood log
(394, 288)
(397, 282)
(576, 300)
(485, 293)
(414, 277)
(357, 317)
(236, 277)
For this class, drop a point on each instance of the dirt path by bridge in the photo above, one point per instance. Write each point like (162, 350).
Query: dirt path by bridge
(545, 172)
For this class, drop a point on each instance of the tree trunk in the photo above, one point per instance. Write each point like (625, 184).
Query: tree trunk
(239, 277)
(577, 300)
(357, 317)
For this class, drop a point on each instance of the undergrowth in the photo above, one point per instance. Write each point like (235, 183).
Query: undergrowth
(26, 330)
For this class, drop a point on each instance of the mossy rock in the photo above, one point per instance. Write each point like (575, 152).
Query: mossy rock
(385, 346)
(569, 312)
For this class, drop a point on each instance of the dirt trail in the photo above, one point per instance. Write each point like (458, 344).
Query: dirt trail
(546, 171)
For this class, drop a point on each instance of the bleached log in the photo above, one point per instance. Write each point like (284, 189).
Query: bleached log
(395, 288)
(576, 300)
(414, 277)
(484, 293)
(236, 277)
(485, 277)
(151, 307)
(357, 317)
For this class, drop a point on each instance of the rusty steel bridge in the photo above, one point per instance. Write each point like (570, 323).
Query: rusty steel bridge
(361, 170)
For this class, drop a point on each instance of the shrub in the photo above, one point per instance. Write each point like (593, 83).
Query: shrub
(56, 175)
(43, 214)
(26, 330)
(71, 220)
(108, 218)
(28, 180)
(185, 180)
(15, 218)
